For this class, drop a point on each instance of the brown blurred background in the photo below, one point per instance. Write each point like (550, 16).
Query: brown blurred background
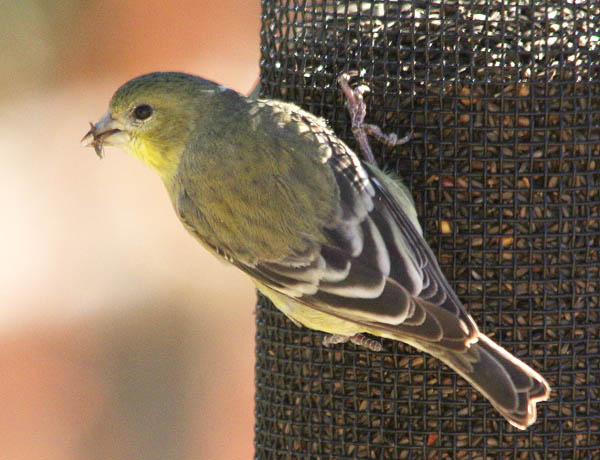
(120, 337)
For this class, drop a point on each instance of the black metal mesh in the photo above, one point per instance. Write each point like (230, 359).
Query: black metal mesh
(503, 98)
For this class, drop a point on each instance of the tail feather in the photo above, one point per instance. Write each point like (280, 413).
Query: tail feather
(509, 384)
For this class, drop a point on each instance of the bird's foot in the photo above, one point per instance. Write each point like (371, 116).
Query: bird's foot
(357, 109)
(357, 339)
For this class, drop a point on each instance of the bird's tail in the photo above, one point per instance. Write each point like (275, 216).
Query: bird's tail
(508, 383)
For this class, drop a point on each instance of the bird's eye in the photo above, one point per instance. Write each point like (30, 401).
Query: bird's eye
(143, 111)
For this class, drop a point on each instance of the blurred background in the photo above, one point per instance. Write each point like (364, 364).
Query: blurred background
(120, 337)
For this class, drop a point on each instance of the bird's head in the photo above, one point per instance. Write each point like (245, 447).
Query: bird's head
(153, 117)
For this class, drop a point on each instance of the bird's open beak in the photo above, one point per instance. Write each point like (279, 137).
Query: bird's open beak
(107, 131)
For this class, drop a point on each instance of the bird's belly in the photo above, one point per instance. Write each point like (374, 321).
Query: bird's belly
(309, 317)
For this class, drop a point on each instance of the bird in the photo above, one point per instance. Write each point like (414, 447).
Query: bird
(333, 241)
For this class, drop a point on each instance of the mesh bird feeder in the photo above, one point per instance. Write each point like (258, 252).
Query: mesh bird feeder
(503, 99)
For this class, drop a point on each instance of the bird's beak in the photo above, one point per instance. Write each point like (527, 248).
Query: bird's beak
(107, 131)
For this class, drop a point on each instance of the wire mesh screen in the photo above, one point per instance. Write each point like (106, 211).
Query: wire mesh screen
(503, 99)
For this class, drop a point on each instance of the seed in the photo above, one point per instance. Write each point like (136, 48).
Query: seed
(523, 89)
(445, 227)
(507, 240)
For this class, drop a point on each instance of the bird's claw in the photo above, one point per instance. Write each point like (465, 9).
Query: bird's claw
(358, 110)
(356, 339)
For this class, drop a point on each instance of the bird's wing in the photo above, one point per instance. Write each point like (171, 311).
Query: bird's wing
(375, 268)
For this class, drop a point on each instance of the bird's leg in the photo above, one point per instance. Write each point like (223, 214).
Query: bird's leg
(363, 341)
(358, 110)
(357, 339)
(334, 339)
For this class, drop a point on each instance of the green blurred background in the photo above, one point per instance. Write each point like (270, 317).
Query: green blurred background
(120, 337)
